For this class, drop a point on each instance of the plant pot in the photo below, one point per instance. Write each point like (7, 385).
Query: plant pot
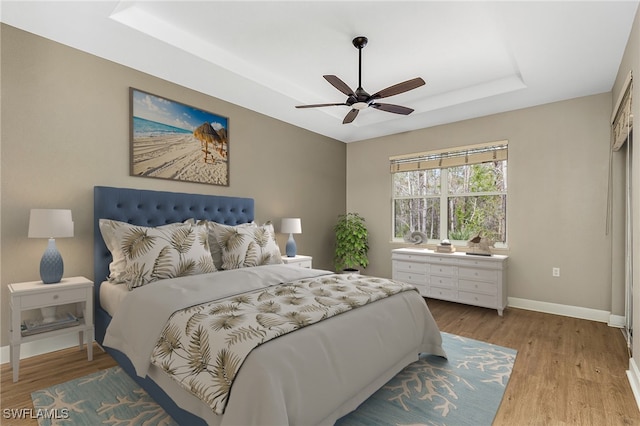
(350, 271)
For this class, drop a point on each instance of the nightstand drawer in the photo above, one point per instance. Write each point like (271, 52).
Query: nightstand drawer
(50, 298)
(298, 261)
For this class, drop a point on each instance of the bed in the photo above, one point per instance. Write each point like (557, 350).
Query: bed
(314, 375)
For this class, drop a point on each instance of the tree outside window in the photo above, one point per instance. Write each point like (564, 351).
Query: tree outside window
(457, 202)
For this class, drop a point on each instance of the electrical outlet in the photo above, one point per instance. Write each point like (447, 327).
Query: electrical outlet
(555, 272)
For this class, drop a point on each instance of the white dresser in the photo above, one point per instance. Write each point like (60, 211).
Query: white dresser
(457, 277)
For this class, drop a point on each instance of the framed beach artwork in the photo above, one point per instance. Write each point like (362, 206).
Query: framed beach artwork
(171, 140)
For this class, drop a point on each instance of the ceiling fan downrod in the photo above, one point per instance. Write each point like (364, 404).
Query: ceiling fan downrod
(361, 95)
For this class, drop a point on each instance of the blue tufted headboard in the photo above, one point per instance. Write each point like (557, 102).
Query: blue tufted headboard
(154, 208)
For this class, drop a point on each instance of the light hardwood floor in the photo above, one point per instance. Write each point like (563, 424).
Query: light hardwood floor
(567, 371)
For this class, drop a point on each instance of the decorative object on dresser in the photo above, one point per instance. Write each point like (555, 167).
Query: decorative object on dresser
(455, 277)
(416, 237)
(352, 243)
(445, 246)
(290, 225)
(51, 224)
(298, 260)
(32, 295)
(480, 245)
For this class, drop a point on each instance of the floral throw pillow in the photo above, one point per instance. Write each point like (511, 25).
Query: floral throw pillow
(246, 246)
(216, 250)
(157, 253)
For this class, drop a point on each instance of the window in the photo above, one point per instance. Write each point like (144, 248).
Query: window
(451, 194)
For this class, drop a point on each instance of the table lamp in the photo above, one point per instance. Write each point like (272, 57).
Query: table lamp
(291, 226)
(51, 224)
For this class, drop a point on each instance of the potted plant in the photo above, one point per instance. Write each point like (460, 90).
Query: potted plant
(352, 243)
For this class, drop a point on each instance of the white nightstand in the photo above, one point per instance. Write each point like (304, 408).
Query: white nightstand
(35, 294)
(298, 260)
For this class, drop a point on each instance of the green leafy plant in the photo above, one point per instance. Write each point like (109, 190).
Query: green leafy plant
(352, 242)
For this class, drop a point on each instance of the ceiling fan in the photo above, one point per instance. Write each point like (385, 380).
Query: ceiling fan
(360, 99)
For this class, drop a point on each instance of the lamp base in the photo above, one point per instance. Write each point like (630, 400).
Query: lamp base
(51, 265)
(291, 247)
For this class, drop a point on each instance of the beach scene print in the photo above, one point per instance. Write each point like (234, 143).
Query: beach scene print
(175, 141)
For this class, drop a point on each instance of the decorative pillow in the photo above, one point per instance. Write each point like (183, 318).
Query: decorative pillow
(118, 264)
(216, 250)
(145, 254)
(246, 246)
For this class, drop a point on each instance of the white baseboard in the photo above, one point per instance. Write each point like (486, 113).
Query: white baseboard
(618, 321)
(564, 310)
(633, 374)
(38, 347)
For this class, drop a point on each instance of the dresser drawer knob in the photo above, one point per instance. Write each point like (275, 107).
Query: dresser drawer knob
(55, 297)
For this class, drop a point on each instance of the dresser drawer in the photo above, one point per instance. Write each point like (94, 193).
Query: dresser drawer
(478, 286)
(443, 293)
(51, 298)
(485, 263)
(408, 257)
(418, 268)
(443, 269)
(446, 260)
(436, 280)
(477, 299)
(410, 277)
(490, 275)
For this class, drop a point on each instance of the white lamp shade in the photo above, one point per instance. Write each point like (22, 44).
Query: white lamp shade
(50, 223)
(291, 226)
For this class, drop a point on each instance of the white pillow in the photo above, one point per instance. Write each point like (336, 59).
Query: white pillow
(144, 254)
(246, 246)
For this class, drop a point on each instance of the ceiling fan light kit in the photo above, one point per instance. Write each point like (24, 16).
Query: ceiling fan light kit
(359, 99)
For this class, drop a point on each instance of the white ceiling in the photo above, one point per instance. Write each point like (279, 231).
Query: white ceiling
(478, 58)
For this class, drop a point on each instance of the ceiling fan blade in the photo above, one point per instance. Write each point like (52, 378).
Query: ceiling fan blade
(396, 109)
(351, 115)
(396, 89)
(320, 105)
(339, 84)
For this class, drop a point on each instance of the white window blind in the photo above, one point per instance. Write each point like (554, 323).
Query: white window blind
(460, 156)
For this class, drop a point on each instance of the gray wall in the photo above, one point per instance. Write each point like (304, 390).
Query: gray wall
(65, 128)
(556, 208)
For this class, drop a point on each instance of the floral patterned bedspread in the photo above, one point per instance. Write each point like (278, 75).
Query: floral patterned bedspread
(203, 347)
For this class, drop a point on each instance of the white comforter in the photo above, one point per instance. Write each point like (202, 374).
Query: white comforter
(312, 376)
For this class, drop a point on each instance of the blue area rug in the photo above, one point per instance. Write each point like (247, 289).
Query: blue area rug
(465, 389)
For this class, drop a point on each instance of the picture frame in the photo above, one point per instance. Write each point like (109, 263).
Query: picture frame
(172, 140)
